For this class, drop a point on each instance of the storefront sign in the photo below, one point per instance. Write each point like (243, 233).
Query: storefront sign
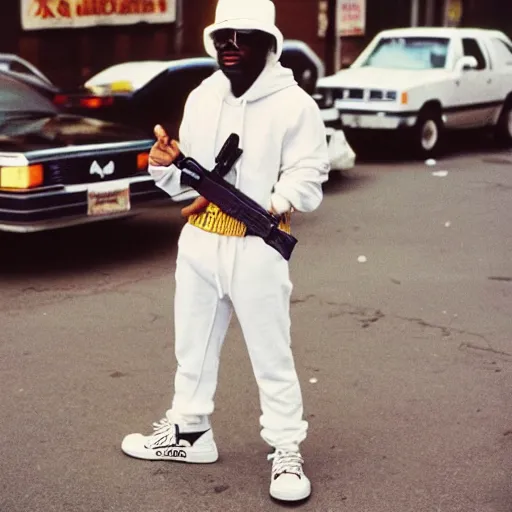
(453, 15)
(351, 17)
(43, 14)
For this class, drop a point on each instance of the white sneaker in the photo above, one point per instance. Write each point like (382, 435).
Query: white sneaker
(289, 483)
(168, 443)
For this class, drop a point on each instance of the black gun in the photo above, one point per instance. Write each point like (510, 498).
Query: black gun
(232, 201)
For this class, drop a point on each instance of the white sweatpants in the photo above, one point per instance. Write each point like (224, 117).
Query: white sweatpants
(216, 275)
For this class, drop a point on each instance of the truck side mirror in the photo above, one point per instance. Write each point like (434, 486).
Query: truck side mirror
(466, 63)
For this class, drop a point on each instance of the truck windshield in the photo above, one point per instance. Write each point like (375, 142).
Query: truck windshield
(409, 53)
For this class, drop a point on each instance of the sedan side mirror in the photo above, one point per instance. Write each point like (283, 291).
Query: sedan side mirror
(466, 63)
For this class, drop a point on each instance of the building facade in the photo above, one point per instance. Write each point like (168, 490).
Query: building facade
(71, 55)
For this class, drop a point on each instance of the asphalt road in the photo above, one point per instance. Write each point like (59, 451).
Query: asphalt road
(402, 333)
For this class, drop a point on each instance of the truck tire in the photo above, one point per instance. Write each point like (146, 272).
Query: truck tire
(503, 130)
(428, 133)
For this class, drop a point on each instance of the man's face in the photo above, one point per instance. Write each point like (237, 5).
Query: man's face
(242, 52)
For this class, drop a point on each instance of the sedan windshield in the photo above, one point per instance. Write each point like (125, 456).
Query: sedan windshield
(409, 53)
(20, 100)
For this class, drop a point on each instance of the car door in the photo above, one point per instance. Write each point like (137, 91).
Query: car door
(472, 105)
(180, 83)
(162, 101)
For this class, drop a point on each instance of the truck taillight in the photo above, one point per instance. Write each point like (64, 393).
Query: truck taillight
(21, 177)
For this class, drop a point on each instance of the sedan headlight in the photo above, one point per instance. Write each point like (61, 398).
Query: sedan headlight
(22, 177)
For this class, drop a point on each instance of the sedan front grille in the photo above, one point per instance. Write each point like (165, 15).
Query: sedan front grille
(78, 170)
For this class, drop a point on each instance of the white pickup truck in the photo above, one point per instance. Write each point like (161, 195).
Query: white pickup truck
(424, 81)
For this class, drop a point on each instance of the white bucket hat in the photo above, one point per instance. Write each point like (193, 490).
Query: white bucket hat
(244, 15)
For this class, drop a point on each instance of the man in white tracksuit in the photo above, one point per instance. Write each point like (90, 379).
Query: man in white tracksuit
(219, 270)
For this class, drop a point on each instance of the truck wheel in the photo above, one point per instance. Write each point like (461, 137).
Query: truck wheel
(428, 134)
(503, 129)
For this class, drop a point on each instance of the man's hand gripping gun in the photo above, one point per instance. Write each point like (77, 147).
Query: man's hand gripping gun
(232, 201)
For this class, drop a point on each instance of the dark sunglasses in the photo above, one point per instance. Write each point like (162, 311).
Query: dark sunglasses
(236, 37)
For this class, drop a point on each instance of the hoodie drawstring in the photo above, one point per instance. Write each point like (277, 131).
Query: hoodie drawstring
(241, 135)
(238, 168)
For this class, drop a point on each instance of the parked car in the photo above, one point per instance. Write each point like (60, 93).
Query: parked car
(149, 92)
(59, 169)
(423, 81)
(140, 93)
(23, 70)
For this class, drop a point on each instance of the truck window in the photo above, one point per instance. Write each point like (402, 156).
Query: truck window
(503, 51)
(472, 49)
(409, 53)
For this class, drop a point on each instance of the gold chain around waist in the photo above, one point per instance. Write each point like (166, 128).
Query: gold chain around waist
(214, 220)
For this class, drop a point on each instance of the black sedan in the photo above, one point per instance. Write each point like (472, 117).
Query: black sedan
(146, 93)
(59, 169)
(140, 93)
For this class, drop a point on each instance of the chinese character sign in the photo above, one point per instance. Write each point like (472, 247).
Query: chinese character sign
(351, 17)
(42, 14)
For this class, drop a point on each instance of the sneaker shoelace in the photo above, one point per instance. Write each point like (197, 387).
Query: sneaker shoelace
(164, 434)
(286, 462)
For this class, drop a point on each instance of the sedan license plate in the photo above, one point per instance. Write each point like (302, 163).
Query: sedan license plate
(108, 200)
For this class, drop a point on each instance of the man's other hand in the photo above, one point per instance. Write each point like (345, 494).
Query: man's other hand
(164, 151)
(198, 206)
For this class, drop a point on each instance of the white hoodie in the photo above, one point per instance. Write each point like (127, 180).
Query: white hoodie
(284, 160)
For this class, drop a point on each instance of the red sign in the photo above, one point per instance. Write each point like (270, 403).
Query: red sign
(41, 14)
(351, 17)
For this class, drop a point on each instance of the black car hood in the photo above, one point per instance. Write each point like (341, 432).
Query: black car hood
(33, 132)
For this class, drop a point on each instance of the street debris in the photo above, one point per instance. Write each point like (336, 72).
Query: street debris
(313, 380)
(362, 259)
(440, 174)
(447, 224)
(430, 162)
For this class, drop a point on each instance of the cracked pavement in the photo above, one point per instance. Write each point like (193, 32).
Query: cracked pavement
(405, 355)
